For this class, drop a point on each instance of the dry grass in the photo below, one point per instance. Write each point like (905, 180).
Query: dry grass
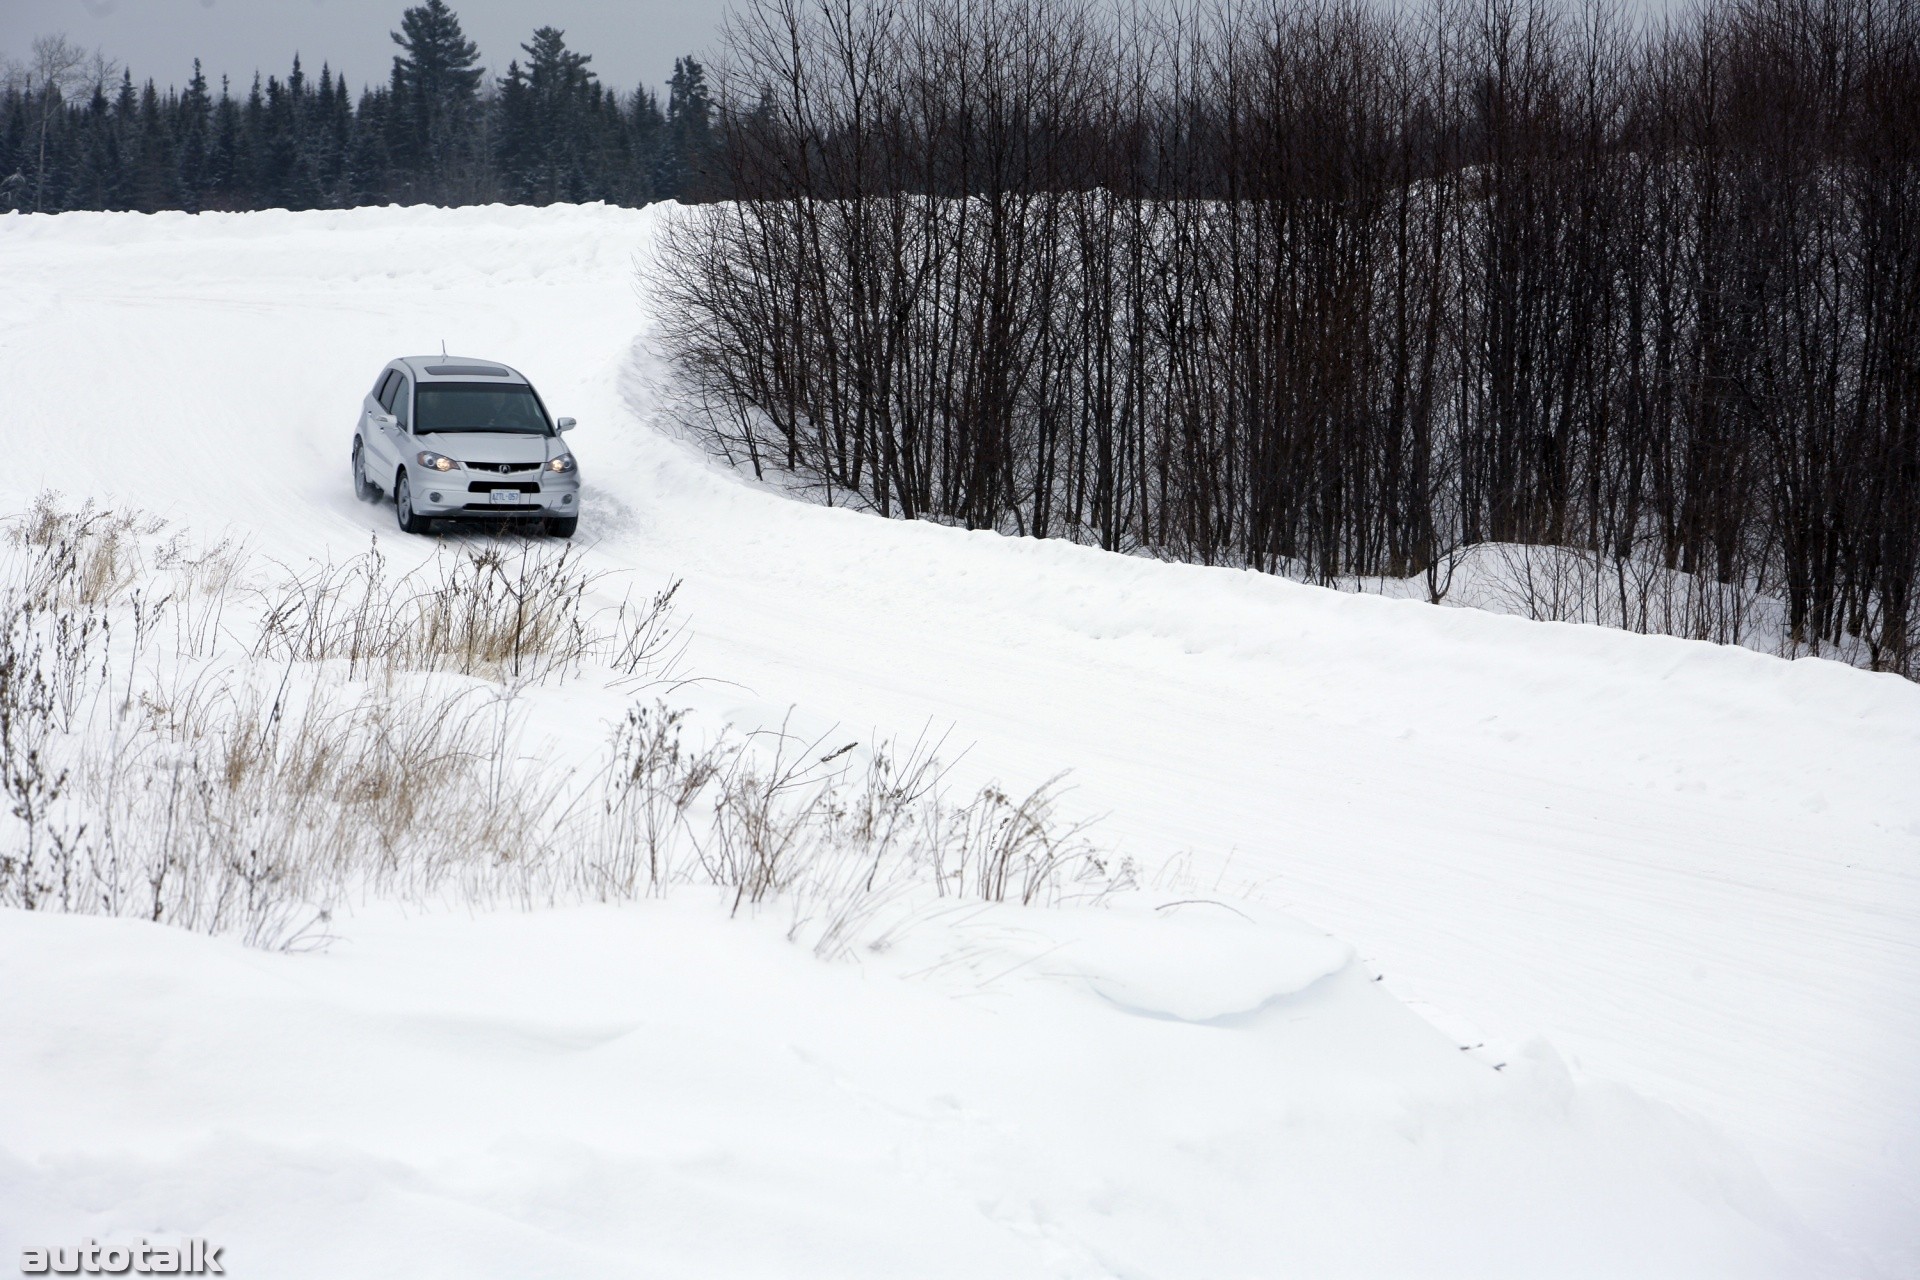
(520, 614)
(183, 743)
(244, 810)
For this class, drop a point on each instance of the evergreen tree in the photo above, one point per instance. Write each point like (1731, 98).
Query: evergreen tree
(225, 164)
(689, 131)
(155, 175)
(436, 98)
(252, 173)
(14, 188)
(516, 143)
(368, 160)
(298, 143)
(276, 145)
(646, 143)
(396, 132)
(98, 178)
(121, 147)
(195, 134)
(126, 106)
(610, 166)
(332, 134)
(548, 111)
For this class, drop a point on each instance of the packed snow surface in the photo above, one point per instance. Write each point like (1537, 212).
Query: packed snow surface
(1645, 913)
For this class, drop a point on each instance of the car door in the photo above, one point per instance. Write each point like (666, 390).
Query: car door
(391, 437)
(372, 404)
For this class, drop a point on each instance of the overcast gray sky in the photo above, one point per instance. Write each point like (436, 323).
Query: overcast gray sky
(631, 40)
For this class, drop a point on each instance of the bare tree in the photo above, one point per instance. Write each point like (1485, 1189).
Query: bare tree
(55, 69)
(1334, 292)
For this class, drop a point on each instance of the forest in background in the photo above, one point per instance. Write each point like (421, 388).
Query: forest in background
(79, 132)
(1338, 290)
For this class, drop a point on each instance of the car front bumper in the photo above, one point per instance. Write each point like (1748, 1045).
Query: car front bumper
(470, 495)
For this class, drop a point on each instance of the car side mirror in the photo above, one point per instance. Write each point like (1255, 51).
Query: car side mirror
(565, 424)
(384, 420)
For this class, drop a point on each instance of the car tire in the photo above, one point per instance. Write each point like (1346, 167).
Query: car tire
(563, 526)
(403, 510)
(363, 489)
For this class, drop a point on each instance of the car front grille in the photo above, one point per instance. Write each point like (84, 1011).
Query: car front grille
(502, 468)
(488, 486)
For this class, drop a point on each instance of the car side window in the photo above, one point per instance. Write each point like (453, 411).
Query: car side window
(383, 390)
(402, 402)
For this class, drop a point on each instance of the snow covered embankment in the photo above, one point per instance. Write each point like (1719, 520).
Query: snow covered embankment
(654, 1090)
(1013, 1091)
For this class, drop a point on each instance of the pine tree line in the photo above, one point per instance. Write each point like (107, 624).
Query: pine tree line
(441, 131)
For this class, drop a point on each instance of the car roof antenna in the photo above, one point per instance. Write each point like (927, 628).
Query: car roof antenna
(443, 348)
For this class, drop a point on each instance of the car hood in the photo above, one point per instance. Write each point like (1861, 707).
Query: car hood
(490, 446)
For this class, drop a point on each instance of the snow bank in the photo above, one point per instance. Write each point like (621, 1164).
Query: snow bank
(655, 1090)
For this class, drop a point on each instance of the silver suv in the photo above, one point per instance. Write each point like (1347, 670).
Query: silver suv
(458, 439)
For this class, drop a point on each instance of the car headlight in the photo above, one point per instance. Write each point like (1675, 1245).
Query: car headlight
(562, 463)
(437, 461)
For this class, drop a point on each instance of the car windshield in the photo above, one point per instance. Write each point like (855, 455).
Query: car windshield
(478, 406)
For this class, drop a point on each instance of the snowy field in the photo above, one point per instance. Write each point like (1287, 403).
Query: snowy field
(1644, 913)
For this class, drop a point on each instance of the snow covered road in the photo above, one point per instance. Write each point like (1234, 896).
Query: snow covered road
(1693, 871)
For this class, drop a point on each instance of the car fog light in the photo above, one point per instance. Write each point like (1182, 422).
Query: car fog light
(433, 497)
(567, 501)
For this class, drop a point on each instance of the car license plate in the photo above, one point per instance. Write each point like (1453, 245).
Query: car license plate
(509, 495)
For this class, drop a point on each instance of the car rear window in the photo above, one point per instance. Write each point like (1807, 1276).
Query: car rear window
(478, 406)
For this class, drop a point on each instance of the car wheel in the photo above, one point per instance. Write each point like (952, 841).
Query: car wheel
(362, 488)
(403, 507)
(563, 526)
